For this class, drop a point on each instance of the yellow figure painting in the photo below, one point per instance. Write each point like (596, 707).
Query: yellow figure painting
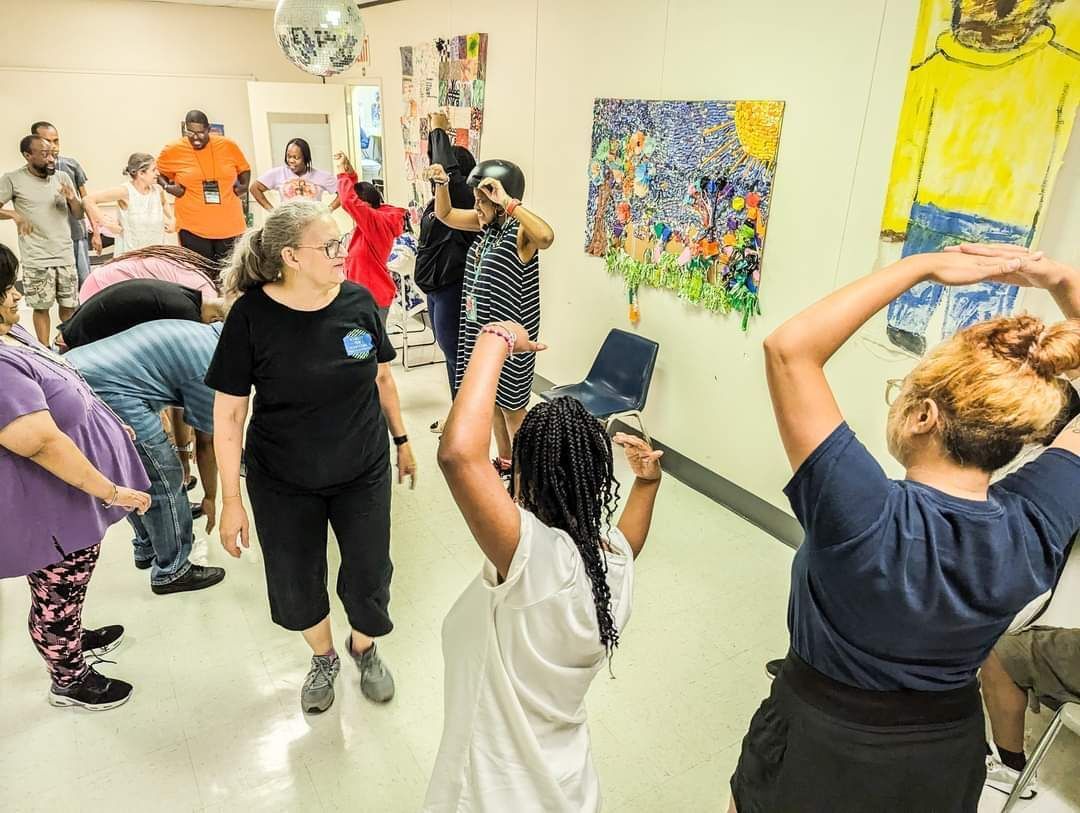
(985, 122)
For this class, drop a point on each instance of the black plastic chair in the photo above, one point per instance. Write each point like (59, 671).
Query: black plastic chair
(618, 383)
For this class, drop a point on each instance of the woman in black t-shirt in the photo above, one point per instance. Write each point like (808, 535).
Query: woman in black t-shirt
(317, 355)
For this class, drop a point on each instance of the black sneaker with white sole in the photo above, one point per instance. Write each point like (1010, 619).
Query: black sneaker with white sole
(102, 640)
(94, 692)
(196, 578)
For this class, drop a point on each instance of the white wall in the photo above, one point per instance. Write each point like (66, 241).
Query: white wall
(117, 76)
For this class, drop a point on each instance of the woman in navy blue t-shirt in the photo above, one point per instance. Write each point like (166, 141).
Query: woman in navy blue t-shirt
(902, 587)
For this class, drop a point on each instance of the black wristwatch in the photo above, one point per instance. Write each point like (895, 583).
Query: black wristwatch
(401, 440)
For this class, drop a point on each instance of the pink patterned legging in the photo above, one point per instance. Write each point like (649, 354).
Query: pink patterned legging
(57, 593)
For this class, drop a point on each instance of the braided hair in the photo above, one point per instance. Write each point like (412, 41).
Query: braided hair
(178, 255)
(563, 474)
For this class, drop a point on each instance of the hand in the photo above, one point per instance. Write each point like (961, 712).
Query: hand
(495, 192)
(439, 121)
(209, 509)
(132, 500)
(130, 432)
(1036, 270)
(644, 462)
(406, 465)
(958, 268)
(95, 241)
(436, 173)
(177, 190)
(239, 189)
(342, 164)
(25, 227)
(522, 343)
(234, 522)
(68, 191)
(170, 227)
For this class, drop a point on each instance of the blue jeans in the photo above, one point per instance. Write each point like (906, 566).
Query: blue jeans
(82, 259)
(164, 534)
(444, 306)
(932, 229)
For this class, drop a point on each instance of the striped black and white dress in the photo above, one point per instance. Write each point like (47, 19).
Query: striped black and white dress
(504, 288)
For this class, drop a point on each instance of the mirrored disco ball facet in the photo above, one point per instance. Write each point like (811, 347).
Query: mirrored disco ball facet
(322, 37)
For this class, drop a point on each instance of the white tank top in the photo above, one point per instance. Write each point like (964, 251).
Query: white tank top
(143, 220)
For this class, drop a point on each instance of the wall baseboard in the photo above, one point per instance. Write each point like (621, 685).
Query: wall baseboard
(750, 507)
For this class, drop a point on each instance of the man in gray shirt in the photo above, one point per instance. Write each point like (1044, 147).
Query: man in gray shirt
(73, 169)
(44, 201)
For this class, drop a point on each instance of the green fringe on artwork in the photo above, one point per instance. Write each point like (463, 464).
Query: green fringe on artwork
(690, 283)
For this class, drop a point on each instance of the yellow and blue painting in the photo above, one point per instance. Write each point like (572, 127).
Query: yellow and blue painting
(679, 197)
(987, 114)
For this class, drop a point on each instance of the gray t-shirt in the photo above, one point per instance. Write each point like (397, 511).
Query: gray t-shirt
(42, 202)
(73, 169)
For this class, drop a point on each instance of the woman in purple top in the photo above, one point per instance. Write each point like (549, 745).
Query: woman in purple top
(63, 455)
(297, 179)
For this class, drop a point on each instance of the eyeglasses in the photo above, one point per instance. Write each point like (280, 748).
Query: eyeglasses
(892, 389)
(333, 249)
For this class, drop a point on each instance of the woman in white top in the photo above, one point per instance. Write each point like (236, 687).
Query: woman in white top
(524, 641)
(145, 215)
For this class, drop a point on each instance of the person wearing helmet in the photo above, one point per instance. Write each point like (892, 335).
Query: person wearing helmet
(502, 281)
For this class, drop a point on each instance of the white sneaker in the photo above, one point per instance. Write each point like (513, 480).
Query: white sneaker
(1003, 778)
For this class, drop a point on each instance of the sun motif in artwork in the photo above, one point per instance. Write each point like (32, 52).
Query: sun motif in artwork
(751, 135)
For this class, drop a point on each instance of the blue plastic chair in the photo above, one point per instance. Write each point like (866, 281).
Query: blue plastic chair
(618, 383)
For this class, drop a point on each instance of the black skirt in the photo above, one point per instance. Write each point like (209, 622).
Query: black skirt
(819, 745)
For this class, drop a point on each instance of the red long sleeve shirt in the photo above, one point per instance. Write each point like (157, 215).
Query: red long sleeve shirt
(372, 239)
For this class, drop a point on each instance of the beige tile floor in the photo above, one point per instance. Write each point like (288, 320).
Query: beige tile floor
(215, 723)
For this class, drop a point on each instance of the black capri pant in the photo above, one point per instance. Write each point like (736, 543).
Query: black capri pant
(292, 528)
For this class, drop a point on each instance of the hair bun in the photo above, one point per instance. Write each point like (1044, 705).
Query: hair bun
(1056, 349)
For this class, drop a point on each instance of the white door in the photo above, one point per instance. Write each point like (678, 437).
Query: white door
(284, 110)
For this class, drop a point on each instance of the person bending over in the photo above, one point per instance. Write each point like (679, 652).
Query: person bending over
(132, 302)
(902, 587)
(524, 641)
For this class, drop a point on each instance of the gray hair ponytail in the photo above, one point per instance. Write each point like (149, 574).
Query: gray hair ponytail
(137, 162)
(256, 259)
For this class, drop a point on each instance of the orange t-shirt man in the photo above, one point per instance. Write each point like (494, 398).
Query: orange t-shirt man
(209, 207)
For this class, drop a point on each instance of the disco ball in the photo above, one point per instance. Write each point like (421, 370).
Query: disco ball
(323, 37)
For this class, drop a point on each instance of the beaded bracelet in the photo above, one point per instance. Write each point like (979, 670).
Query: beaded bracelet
(511, 206)
(503, 333)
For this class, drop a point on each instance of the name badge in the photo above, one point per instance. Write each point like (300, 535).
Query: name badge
(211, 192)
(470, 308)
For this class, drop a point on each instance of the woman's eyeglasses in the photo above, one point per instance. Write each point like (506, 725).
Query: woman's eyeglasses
(892, 389)
(333, 249)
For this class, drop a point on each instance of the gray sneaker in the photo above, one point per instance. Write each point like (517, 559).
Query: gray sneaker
(317, 694)
(376, 682)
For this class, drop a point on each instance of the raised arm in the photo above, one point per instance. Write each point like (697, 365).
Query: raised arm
(535, 234)
(460, 219)
(636, 517)
(463, 450)
(795, 353)
(94, 200)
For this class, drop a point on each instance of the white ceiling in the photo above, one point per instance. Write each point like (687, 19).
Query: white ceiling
(263, 4)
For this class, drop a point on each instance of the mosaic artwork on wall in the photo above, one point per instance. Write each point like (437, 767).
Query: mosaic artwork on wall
(679, 197)
(444, 75)
(987, 115)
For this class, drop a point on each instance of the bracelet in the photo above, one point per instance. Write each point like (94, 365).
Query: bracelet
(511, 206)
(503, 333)
(230, 497)
(401, 440)
(109, 503)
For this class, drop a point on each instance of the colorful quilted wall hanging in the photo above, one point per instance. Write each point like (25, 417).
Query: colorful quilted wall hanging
(679, 197)
(444, 75)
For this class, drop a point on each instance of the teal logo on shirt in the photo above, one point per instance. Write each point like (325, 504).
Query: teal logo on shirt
(358, 343)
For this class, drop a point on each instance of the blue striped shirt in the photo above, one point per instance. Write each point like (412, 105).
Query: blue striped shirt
(149, 367)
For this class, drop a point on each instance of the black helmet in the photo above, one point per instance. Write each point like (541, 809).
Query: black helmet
(507, 173)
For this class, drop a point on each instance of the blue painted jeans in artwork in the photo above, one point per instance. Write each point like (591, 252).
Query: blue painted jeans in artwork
(164, 534)
(932, 229)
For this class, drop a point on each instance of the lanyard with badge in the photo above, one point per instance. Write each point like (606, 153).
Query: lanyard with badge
(210, 188)
(490, 240)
